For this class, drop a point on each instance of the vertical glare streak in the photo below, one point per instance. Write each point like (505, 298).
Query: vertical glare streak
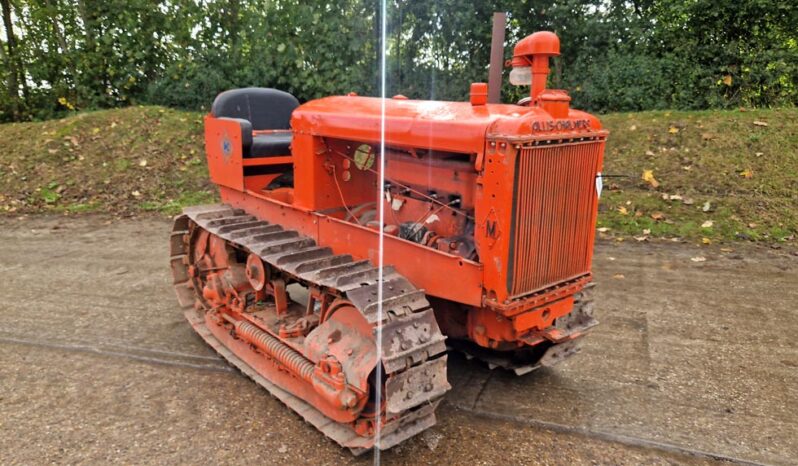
(381, 204)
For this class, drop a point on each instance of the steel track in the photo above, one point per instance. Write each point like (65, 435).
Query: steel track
(413, 349)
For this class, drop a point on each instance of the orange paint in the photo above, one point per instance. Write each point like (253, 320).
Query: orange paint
(526, 175)
(517, 181)
(489, 219)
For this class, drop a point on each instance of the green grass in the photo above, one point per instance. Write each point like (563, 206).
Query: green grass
(743, 163)
(121, 161)
(151, 159)
(174, 206)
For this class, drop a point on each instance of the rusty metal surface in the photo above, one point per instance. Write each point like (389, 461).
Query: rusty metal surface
(496, 57)
(541, 252)
(342, 435)
(559, 353)
(565, 337)
(416, 385)
(413, 346)
(410, 340)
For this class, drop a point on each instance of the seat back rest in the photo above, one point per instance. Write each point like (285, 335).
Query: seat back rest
(246, 132)
(265, 108)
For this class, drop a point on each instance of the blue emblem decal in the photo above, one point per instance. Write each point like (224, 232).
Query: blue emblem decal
(227, 147)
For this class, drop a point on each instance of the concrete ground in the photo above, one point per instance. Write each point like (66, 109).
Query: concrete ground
(694, 362)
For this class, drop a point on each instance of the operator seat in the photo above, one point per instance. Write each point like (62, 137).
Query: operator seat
(257, 109)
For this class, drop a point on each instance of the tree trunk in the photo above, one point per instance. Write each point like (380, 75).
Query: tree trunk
(11, 59)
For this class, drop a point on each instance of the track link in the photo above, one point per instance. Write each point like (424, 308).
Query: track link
(412, 346)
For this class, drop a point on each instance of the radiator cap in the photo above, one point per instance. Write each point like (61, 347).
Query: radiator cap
(556, 102)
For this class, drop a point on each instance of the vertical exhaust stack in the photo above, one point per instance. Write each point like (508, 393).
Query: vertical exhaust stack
(531, 61)
(496, 58)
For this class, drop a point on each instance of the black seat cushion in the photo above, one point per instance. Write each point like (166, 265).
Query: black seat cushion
(266, 145)
(265, 108)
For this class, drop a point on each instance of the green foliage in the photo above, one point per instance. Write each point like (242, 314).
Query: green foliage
(752, 42)
(616, 55)
(305, 48)
(630, 81)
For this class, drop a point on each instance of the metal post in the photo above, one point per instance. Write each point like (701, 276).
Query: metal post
(496, 58)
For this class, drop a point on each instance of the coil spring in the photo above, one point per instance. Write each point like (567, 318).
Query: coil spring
(279, 351)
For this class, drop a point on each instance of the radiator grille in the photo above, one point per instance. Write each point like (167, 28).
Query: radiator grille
(553, 214)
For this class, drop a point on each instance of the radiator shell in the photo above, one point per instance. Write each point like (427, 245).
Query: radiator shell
(554, 213)
(536, 213)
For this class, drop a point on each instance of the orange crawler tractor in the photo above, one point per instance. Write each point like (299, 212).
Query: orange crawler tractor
(489, 216)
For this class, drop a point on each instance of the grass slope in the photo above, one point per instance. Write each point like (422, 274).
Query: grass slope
(719, 175)
(121, 161)
(735, 170)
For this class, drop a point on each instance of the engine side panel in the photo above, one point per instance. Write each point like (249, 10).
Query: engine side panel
(443, 275)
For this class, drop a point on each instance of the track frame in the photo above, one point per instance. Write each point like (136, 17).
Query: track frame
(413, 349)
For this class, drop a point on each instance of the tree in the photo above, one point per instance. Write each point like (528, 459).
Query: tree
(15, 74)
(616, 54)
